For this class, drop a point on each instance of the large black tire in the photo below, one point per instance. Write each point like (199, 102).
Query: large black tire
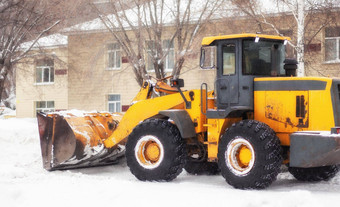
(263, 152)
(314, 174)
(201, 168)
(171, 147)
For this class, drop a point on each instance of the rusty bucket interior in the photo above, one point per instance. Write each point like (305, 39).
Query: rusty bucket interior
(68, 141)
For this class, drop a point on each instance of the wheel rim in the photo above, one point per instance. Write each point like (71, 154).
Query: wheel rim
(240, 156)
(149, 152)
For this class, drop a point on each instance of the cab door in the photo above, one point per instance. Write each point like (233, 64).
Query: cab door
(227, 74)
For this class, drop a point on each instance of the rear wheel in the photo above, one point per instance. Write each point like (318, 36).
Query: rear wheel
(155, 150)
(249, 155)
(314, 174)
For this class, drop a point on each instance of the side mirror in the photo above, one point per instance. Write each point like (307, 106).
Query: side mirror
(202, 58)
(208, 57)
(177, 83)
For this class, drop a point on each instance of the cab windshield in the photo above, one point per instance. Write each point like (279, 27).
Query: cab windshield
(264, 57)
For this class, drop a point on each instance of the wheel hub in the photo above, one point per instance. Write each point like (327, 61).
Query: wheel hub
(240, 156)
(149, 152)
(152, 151)
(244, 156)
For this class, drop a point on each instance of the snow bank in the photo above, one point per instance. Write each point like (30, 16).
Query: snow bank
(23, 182)
(4, 111)
(11, 100)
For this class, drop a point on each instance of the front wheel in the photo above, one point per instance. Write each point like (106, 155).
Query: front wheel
(249, 155)
(155, 151)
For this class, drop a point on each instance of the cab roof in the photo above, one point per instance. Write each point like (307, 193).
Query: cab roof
(209, 40)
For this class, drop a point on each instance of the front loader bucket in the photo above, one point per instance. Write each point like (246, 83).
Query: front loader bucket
(69, 141)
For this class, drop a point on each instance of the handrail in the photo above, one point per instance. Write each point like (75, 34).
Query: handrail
(206, 98)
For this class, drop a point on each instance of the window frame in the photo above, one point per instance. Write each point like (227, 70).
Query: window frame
(44, 109)
(114, 102)
(280, 72)
(168, 50)
(42, 68)
(337, 45)
(165, 50)
(234, 61)
(114, 51)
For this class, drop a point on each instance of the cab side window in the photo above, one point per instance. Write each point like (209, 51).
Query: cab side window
(229, 60)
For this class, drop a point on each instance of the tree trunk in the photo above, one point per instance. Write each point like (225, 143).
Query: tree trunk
(3, 76)
(300, 38)
(178, 67)
(139, 75)
(4, 69)
(1, 88)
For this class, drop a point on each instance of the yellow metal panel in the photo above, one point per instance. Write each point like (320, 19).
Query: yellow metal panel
(143, 92)
(322, 118)
(214, 132)
(209, 40)
(140, 111)
(216, 128)
(278, 109)
(195, 112)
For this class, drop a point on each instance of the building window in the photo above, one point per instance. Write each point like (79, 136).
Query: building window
(170, 58)
(114, 56)
(332, 45)
(45, 71)
(114, 104)
(168, 49)
(44, 106)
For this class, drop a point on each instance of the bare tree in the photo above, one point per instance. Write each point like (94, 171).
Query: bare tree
(21, 21)
(148, 31)
(299, 15)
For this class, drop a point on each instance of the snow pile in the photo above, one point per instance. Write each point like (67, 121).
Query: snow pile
(4, 111)
(80, 113)
(73, 112)
(11, 100)
(23, 182)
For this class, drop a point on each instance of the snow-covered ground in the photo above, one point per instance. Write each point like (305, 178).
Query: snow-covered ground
(24, 183)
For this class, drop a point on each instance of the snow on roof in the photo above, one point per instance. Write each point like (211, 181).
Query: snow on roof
(54, 40)
(130, 17)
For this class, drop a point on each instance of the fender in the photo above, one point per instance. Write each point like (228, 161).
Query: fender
(182, 121)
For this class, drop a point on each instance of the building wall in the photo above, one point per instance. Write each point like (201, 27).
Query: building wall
(88, 82)
(28, 91)
(316, 64)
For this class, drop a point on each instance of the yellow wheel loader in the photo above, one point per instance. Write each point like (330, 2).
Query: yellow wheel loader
(258, 117)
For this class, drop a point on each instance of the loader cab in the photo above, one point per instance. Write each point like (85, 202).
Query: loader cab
(238, 59)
